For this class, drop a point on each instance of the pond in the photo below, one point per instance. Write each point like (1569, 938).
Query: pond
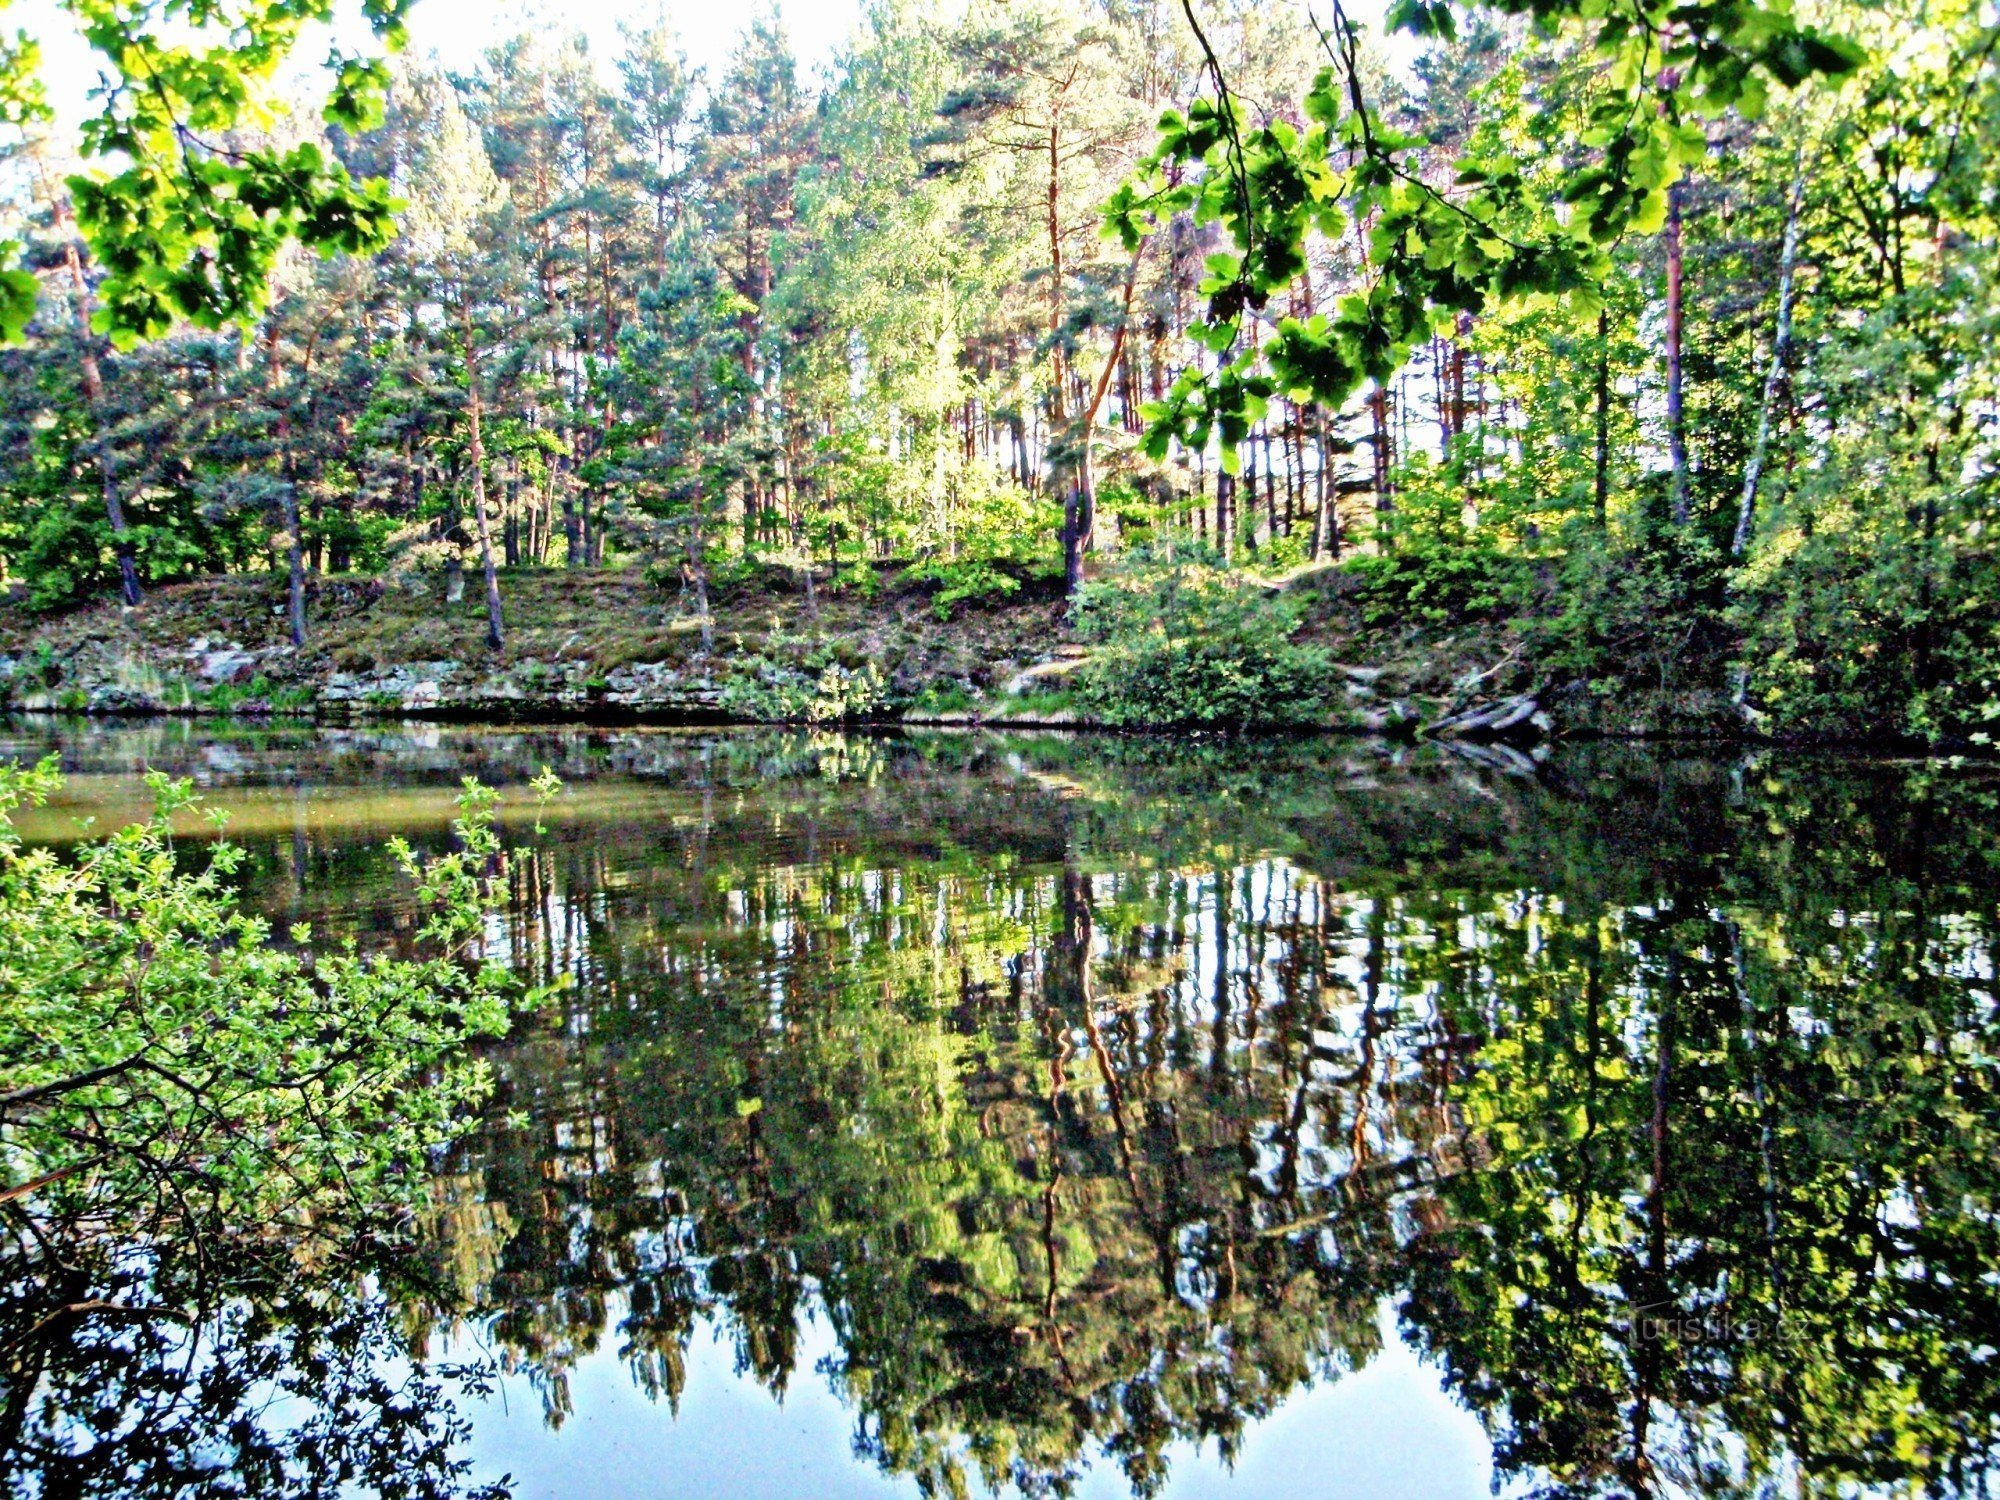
(963, 1113)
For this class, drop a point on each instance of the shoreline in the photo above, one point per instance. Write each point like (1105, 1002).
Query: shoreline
(611, 648)
(553, 714)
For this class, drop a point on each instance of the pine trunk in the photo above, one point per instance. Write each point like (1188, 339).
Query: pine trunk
(476, 407)
(1682, 509)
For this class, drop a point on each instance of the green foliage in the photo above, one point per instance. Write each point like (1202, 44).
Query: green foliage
(960, 580)
(1638, 614)
(1495, 238)
(1866, 627)
(186, 231)
(822, 691)
(233, 697)
(171, 1061)
(1433, 568)
(1004, 535)
(1186, 644)
(735, 324)
(68, 554)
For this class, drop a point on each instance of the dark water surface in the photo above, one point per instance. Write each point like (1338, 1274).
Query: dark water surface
(1105, 1116)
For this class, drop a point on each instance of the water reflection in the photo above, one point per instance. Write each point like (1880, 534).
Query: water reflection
(1064, 1103)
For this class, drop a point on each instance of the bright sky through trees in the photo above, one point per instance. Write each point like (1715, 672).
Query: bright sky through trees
(459, 31)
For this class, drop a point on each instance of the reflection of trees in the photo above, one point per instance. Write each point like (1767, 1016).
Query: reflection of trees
(1097, 1094)
(1120, 1144)
(1740, 1221)
(225, 1370)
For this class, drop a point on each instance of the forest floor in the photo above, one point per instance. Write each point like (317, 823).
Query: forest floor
(611, 643)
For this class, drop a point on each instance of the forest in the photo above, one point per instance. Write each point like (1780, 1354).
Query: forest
(1055, 1108)
(1615, 354)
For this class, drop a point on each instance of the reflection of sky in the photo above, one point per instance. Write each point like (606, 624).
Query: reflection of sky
(1382, 1433)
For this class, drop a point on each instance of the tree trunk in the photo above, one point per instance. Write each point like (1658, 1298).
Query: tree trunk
(572, 522)
(697, 553)
(1225, 514)
(1601, 490)
(1326, 519)
(1681, 508)
(1270, 489)
(1781, 338)
(476, 408)
(1080, 505)
(288, 494)
(1378, 411)
(93, 390)
(1459, 407)
(1056, 276)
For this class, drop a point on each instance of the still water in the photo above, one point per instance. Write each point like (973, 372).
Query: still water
(1048, 1115)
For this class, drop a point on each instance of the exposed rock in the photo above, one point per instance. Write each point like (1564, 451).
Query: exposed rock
(1360, 676)
(1061, 665)
(1392, 718)
(229, 664)
(1513, 717)
(117, 699)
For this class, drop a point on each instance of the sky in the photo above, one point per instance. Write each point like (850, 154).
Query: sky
(457, 32)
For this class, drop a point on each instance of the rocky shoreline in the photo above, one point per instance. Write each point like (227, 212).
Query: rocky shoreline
(611, 647)
(226, 678)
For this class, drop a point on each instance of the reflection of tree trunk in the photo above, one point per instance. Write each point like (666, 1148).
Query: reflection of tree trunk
(1655, 1306)
(1051, 1250)
(1078, 927)
(1586, 1146)
(24, 1378)
(1364, 1074)
(1298, 1046)
(1219, 1053)
(1767, 1176)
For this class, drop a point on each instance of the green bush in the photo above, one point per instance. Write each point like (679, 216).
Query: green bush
(822, 692)
(1864, 628)
(1004, 535)
(172, 1067)
(1604, 616)
(1436, 570)
(1188, 645)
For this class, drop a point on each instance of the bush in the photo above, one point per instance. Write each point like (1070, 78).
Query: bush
(823, 692)
(1188, 645)
(173, 1068)
(1437, 570)
(1003, 537)
(1638, 613)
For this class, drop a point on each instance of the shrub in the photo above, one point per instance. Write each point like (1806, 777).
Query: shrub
(824, 692)
(172, 1067)
(1437, 570)
(1188, 645)
(1863, 626)
(1639, 612)
(1003, 537)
